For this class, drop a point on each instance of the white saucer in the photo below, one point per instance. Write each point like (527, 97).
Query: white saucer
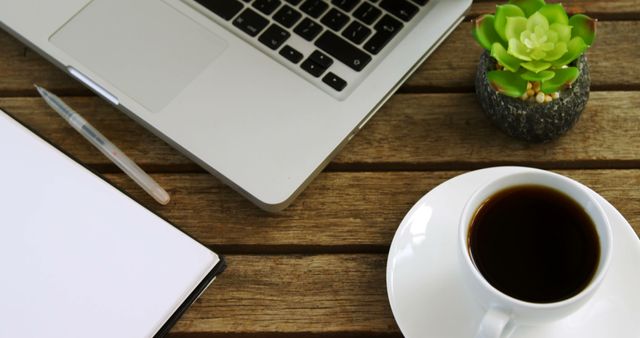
(428, 297)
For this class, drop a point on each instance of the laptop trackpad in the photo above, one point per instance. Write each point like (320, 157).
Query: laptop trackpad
(145, 48)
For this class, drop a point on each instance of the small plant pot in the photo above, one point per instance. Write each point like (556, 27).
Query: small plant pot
(532, 121)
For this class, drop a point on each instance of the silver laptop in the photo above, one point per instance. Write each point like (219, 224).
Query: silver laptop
(261, 93)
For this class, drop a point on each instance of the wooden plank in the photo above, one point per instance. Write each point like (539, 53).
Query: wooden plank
(322, 294)
(602, 10)
(445, 130)
(339, 212)
(613, 61)
(412, 131)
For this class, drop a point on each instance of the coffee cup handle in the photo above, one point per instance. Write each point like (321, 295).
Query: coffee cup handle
(493, 324)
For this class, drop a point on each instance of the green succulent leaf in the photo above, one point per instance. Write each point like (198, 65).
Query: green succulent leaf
(575, 48)
(515, 26)
(538, 77)
(519, 50)
(564, 77)
(537, 21)
(556, 53)
(507, 83)
(584, 27)
(528, 6)
(554, 13)
(502, 13)
(536, 66)
(563, 31)
(484, 32)
(505, 59)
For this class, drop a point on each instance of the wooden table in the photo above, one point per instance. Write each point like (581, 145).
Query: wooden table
(318, 268)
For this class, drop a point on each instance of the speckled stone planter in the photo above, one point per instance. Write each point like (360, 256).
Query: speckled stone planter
(533, 122)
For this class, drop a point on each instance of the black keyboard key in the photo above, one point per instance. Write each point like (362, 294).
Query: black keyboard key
(287, 16)
(345, 5)
(225, 9)
(402, 9)
(291, 54)
(420, 2)
(294, 2)
(308, 29)
(367, 13)
(342, 50)
(314, 8)
(266, 6)
(334, 81)
(274, 36)
(356, 32)
(322, 59)
(335, 19)
(386, 29)
(312, 68)
(250, 22)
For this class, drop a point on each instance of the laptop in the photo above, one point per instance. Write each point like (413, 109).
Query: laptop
(261, 93)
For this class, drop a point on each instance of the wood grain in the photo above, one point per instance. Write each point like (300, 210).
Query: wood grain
(613, 60)
(318, 294)
(401, 136)
(339, 212)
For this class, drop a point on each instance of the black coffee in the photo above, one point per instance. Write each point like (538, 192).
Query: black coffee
(534, 243)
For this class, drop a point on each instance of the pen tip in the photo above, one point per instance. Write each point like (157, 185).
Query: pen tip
(38, 88)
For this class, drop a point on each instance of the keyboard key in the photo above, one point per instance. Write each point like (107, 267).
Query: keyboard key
(334, 81)
(367, 13)
(335, 19)
(250, 22)
(308, 29)
(420, 2)
(312, 68)
(274, 37)
(287, 16)
(403, 9)
(314, 8)
(386, 29)
(294, 2)
(291, 54)
(345, 5)
(322, 59)
(266, 6)
(225, 9)
(356, 32)
(342, 50)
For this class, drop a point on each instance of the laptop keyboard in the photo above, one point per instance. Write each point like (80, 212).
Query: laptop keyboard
(330, 42)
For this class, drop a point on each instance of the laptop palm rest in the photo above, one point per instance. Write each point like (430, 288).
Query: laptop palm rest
(144, 48)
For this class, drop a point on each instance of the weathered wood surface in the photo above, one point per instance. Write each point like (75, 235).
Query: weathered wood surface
(317, 294)
(401, 136)
(318, 268)
(339, 212)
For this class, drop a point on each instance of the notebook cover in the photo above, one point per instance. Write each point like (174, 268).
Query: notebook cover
(22, 290)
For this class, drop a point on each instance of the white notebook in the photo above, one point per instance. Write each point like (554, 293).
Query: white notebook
(78, 258)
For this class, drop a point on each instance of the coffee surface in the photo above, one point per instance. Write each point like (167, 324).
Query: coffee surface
(534, 243)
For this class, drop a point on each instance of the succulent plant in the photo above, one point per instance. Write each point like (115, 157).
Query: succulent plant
(533, 41)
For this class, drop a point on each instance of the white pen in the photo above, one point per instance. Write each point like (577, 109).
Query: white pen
(105, 146)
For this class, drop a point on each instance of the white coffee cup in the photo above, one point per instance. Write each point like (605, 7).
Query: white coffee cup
(503, 312)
